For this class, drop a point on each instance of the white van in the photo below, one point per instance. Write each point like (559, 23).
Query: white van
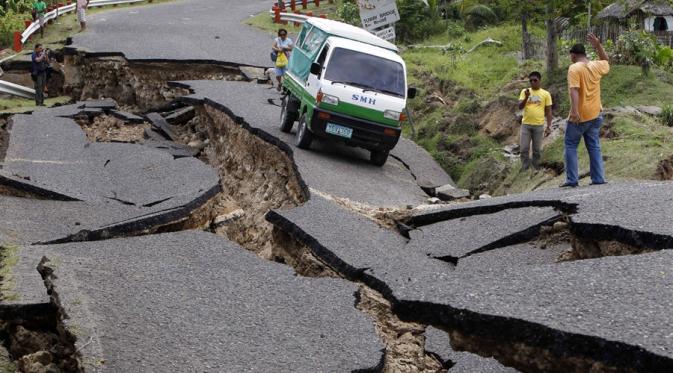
(345, 84)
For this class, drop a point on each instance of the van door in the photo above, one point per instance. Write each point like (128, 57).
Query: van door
(313, 81)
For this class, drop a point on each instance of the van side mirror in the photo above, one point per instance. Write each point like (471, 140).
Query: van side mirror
(411, 92)
(315, 68)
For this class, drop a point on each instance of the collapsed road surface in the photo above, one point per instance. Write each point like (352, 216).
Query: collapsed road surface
(122, 252)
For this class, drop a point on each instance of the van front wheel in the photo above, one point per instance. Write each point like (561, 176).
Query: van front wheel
(288, 114)
(304, 135)
(378, 157)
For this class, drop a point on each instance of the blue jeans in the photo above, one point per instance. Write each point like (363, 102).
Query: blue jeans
(591, 132)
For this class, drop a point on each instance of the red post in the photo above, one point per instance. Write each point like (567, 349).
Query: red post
(276, 16)
(17, 42)
(304, 4)
(317, 3)
(323, 16)
(296, 24)
(310, 14)
(293, 5)
(27, 23)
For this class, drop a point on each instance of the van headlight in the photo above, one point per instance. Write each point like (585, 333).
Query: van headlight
(330, 100)
(391, 114)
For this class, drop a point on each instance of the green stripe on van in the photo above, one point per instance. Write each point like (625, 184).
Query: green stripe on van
(361, 113)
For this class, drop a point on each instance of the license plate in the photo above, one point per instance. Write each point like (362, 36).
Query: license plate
(338, 130)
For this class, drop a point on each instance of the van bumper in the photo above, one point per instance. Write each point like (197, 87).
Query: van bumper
(366, 134)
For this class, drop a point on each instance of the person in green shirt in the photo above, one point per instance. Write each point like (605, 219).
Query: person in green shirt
(40, 9)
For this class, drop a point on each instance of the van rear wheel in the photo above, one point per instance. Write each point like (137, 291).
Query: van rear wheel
(378, 157)
(288, 114)
(304, 135)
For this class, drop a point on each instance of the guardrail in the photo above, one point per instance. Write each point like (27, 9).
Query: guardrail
(16, 90)
(33, 27)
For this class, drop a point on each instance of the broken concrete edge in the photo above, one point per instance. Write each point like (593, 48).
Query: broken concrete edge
(511, 333)
(32, 188)
(507, 330)
(127, 117)
(511, 240)
(75, 50)
(261, 134)
(140, 224)
(433, 217)
(65, 335)
(603, 232)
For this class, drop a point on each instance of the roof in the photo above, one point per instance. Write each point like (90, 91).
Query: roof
(623, 8)
(339, 42)
(347, 31)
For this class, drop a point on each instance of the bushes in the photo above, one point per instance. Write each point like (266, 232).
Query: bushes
(417, 21)
(9, 23)
(348, 12)
(636, 48)
(667, 115)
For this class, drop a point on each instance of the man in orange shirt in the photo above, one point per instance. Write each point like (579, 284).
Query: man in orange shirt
(585, 119)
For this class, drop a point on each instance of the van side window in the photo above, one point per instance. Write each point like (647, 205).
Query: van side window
(323, 55)
(302, 34)
(314, 41)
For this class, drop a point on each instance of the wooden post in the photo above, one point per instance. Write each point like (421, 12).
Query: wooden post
(317, 3)
(276, 17)
(304, 4)
(323, 16)
(293, 5)
(297, 23)
(17, 42)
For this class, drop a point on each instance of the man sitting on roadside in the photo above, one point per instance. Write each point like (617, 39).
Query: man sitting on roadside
(536, 104)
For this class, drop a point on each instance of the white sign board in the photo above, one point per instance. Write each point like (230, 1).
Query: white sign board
(378, 13)
(387, 33)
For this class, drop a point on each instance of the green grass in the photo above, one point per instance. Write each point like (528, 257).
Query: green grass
(22, 105)
(264, 20)
(9, 259)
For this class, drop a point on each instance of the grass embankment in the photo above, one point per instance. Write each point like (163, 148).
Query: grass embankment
(466, 96)
(265, 22)
(457, 87)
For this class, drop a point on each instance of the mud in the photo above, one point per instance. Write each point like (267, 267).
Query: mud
(664, 169)
(105, 128)
(256, 177)
(404, 341)
(527, 358)
(583, 248)
(137, 84)
(4, 139)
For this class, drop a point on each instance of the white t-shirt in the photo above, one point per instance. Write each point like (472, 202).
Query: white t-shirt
(81, 4)
(280, 43)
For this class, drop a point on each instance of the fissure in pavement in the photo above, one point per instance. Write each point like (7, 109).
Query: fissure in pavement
(257, 174)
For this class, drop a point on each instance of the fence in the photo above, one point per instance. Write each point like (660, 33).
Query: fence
(282, 17)
(20, 38)
(611, 32)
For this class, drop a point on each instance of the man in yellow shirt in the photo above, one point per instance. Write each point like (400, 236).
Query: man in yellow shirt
(585, 119)
(536, 104)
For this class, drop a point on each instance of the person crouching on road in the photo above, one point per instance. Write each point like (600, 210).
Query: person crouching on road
(586, 118)
(282, 44)
(81, 13)
(536, 104)
(39, 72)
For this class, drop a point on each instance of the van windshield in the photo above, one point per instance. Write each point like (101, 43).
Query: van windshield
(366, 71)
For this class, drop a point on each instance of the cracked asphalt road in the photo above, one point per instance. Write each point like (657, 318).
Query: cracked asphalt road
(209, 30)
(338, 170)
